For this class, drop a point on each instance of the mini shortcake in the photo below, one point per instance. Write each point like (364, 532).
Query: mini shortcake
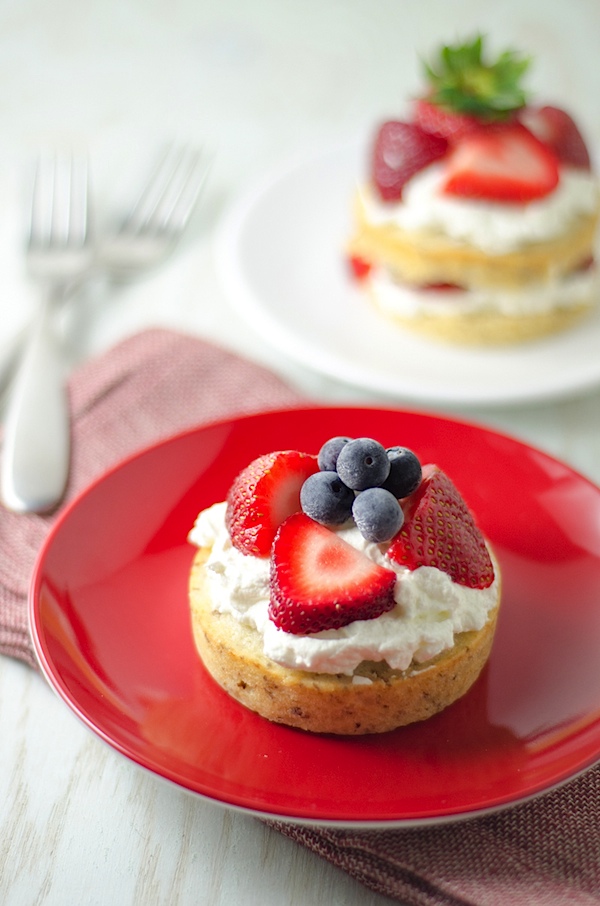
(347, 592)
(477, 222)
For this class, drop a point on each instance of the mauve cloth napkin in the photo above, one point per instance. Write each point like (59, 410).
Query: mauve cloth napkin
(543, 853)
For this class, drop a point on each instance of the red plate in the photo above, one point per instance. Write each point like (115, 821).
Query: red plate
(109, 617)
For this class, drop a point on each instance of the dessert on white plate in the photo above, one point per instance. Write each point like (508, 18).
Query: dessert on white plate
(478, 220)
(349, 592)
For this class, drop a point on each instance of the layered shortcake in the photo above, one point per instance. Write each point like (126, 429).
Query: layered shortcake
(478, 220)
(349, 592)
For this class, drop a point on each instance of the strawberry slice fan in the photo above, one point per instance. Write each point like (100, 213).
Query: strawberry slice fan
(284, 506)
(476, 116)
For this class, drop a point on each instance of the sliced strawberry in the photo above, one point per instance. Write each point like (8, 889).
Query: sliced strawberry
(442, 287)
(557, 129)
(502, 163)
(263, 495)
(319, 581)
(359, 267)
(400, 151)
(440, 531)
(587, 265)
(444, 122)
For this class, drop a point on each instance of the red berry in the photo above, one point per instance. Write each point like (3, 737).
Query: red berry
(263, 495)
(319, 581)
(359, 267)
(442, 122)
(557, 129)
(400, 151)
(440, 531)
(442, 287)
(501, 163)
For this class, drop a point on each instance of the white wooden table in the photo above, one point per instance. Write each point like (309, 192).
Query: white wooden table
(255, 81)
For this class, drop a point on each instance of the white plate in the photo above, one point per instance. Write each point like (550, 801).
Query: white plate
(280, 257)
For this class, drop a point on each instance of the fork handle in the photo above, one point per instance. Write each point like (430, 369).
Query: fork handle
(36, 449)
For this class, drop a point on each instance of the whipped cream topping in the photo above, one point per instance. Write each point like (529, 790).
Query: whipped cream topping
(578, 289)
(430, 608)
(495, 228)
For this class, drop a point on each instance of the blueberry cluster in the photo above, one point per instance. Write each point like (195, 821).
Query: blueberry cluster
(362, 479)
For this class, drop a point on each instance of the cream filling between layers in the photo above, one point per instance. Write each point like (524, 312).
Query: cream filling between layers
(395, 298)
(430, 608)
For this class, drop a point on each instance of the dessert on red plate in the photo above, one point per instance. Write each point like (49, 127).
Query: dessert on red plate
(481, 190)
(346, 592)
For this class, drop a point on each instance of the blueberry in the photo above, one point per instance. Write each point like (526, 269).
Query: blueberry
(363, 463)
(377, 514)
(405, 472)
(326, 499)
(329, 452)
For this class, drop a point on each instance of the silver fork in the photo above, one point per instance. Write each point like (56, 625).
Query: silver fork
(142, 239)
(36, 449)
(155, 222)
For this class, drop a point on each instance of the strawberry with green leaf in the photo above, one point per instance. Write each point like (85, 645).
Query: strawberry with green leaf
(466, 90)
(475, 116)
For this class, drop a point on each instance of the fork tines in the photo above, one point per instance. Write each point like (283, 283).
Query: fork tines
(59, 207)
(167, 203)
